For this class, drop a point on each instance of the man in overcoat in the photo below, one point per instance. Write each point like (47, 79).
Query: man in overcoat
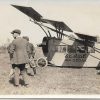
(18, 49)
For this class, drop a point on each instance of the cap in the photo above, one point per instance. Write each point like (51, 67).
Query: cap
(16, 31)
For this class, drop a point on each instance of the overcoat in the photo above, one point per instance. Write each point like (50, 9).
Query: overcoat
(31, 50)
(19, 51)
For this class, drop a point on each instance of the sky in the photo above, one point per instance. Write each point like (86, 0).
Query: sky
(81, 16)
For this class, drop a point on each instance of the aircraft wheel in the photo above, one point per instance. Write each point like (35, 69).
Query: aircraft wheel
(41, 62)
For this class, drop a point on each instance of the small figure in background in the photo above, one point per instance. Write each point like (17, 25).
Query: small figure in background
(11, 57)
(31, 67)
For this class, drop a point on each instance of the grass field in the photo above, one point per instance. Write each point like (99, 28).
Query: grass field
(51, 80)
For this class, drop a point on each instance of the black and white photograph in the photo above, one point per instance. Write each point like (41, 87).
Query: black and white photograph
(49, 48)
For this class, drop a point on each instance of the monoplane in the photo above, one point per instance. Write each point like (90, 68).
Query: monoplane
(74, 50)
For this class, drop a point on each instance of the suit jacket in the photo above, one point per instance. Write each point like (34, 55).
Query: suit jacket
(19, 51)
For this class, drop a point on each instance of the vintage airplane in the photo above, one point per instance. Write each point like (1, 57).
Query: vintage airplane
(75, 50)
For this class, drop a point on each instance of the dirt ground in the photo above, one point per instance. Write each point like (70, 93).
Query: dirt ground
(51, 81)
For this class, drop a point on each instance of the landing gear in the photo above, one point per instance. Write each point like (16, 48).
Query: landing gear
(41, 62)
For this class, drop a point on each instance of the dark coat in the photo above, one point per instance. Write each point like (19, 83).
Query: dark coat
(19, 51)
(31, 51)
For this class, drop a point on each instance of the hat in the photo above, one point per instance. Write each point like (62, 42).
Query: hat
(26, 37)
(16, 31)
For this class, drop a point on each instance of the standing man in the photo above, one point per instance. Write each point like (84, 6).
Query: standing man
(18, 49)
(31, 54)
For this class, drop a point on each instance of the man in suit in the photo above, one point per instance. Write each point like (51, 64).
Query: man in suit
(31, 54)
(19, 51)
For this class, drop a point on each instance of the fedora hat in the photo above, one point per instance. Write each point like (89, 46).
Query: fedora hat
(26, 37)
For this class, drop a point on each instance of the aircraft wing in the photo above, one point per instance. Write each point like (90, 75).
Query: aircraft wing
(29, 11)
(87, 37)
(58, 24)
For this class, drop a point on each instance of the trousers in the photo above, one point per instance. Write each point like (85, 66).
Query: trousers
(19, 69)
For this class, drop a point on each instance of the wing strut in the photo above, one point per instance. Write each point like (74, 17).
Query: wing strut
(40, 26)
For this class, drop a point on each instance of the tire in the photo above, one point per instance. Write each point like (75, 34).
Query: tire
(41, 62)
